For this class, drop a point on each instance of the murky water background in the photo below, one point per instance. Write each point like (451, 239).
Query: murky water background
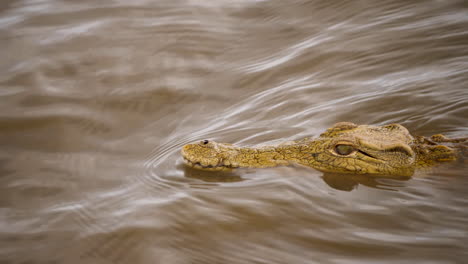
(97, 97)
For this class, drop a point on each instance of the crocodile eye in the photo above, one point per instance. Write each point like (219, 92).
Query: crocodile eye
(204, 142)
(344, 149)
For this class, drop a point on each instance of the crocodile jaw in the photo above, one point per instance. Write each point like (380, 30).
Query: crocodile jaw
(198, 165)
(206, 157)
(215, 156)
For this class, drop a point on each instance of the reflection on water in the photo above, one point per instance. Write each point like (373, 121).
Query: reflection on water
(350, 182)
(208, 176)
(98, 98)
(343, 182)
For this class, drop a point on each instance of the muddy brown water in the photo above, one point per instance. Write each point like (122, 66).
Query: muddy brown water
(97, 97)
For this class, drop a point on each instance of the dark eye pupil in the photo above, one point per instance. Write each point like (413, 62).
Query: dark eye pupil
(344, 149)
(205, 141)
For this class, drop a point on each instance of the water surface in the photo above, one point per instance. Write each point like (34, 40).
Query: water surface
(98, 98)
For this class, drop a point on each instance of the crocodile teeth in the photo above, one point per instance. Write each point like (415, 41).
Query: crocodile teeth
(217, 167)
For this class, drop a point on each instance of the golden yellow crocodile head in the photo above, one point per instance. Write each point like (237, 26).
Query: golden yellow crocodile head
(343, 148)
(364, 149)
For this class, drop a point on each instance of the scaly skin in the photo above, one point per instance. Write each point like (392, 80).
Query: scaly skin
(363, 149)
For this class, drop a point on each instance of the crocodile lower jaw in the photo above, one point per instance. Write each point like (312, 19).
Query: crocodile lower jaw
(217, 167)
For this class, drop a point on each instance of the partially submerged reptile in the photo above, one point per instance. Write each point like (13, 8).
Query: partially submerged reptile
(343, 148)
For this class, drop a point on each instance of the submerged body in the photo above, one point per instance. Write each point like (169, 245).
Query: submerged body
(343, 148)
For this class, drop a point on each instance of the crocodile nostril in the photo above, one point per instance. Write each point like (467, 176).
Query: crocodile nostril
(205, 141)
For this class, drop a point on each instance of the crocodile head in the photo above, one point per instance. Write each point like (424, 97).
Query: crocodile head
(343, 148)
(364, 149)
